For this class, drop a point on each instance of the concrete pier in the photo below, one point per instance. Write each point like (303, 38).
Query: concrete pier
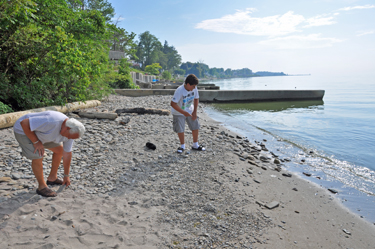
(234, 95)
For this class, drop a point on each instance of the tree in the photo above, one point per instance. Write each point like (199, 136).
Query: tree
(199, 68)
(153, 69)
(173, 58)
(148, 49)
(166, 75)
(213, 71)
(51, 53)
(228, 72)
(103, 6)
(123, 41)
(179, 71)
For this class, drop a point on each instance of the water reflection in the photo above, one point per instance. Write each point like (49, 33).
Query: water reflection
(275, 106)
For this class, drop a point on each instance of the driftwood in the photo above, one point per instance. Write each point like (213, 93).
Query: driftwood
(142, 110)
(104, 115)
(7, 120)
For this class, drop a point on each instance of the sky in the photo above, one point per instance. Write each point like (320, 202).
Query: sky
(326, 37)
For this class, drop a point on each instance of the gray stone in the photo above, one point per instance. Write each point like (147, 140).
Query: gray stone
(15, 176)
(272, 205)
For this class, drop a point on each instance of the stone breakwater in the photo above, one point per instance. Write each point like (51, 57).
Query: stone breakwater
(213, 199)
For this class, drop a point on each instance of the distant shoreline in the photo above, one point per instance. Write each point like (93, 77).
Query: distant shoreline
(215, 78)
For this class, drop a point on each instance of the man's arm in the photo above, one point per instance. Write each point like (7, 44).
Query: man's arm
(67, 159)
(25, 124)
(177, 108)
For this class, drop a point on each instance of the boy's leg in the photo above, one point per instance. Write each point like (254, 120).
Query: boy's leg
(181, 137)
(179, 128)
(194, 127)
(195, 135)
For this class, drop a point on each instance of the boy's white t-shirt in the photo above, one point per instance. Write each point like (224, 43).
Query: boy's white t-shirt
(47, 127)
(184, 99)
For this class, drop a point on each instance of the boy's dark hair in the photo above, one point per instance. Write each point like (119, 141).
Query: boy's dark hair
(192, 80)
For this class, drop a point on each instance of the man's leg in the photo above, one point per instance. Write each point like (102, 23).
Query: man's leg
(56, 159)
(37, 166)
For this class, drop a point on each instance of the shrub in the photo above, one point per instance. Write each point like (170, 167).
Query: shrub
(122, 79)
(4, 108)
(166, 75)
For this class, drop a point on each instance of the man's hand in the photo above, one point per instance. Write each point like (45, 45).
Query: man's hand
(66, 181)
(39, 147)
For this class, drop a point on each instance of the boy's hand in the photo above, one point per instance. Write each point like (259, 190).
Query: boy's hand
(194, 116)
(186, 114)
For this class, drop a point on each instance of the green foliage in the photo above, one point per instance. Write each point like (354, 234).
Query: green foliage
(172, 57)
(228, 72)
(202, 70)
(105, 8)
(153, 69)
(166, 75)
(124, 42)
(199, 69)
(5, 108)
(137, 70)
(149, 50)
(123, 78)
(51, 53)
(179, 71)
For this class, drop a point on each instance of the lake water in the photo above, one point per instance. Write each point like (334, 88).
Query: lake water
(334, 137)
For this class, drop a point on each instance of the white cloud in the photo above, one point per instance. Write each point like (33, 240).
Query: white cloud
(366, 33)
(117, 19)
(300, 42)
(368, 6)
(242, 23)
(319, 21)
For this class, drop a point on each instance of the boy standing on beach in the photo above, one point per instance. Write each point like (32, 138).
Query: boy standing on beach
(184, 109)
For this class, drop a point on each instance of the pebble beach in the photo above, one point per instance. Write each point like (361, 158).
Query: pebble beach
(236, 194)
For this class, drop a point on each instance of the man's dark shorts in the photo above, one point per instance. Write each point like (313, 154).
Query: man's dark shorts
(28, 148)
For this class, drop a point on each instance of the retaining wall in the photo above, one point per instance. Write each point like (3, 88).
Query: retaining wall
(234, 95)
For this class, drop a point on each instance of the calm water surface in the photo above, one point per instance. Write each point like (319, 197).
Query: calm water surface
(335, 136)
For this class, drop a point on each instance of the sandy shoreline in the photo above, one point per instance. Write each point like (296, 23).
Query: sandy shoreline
(124, 195)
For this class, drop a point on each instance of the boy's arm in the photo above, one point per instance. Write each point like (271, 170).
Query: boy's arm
(194, 114)
(177, 108)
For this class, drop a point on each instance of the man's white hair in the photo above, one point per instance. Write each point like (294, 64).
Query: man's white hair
(75, 127)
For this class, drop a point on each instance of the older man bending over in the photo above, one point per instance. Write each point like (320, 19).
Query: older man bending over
(51, 130)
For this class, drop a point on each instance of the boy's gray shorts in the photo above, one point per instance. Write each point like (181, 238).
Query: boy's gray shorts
(179, 123)
(28, 147)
